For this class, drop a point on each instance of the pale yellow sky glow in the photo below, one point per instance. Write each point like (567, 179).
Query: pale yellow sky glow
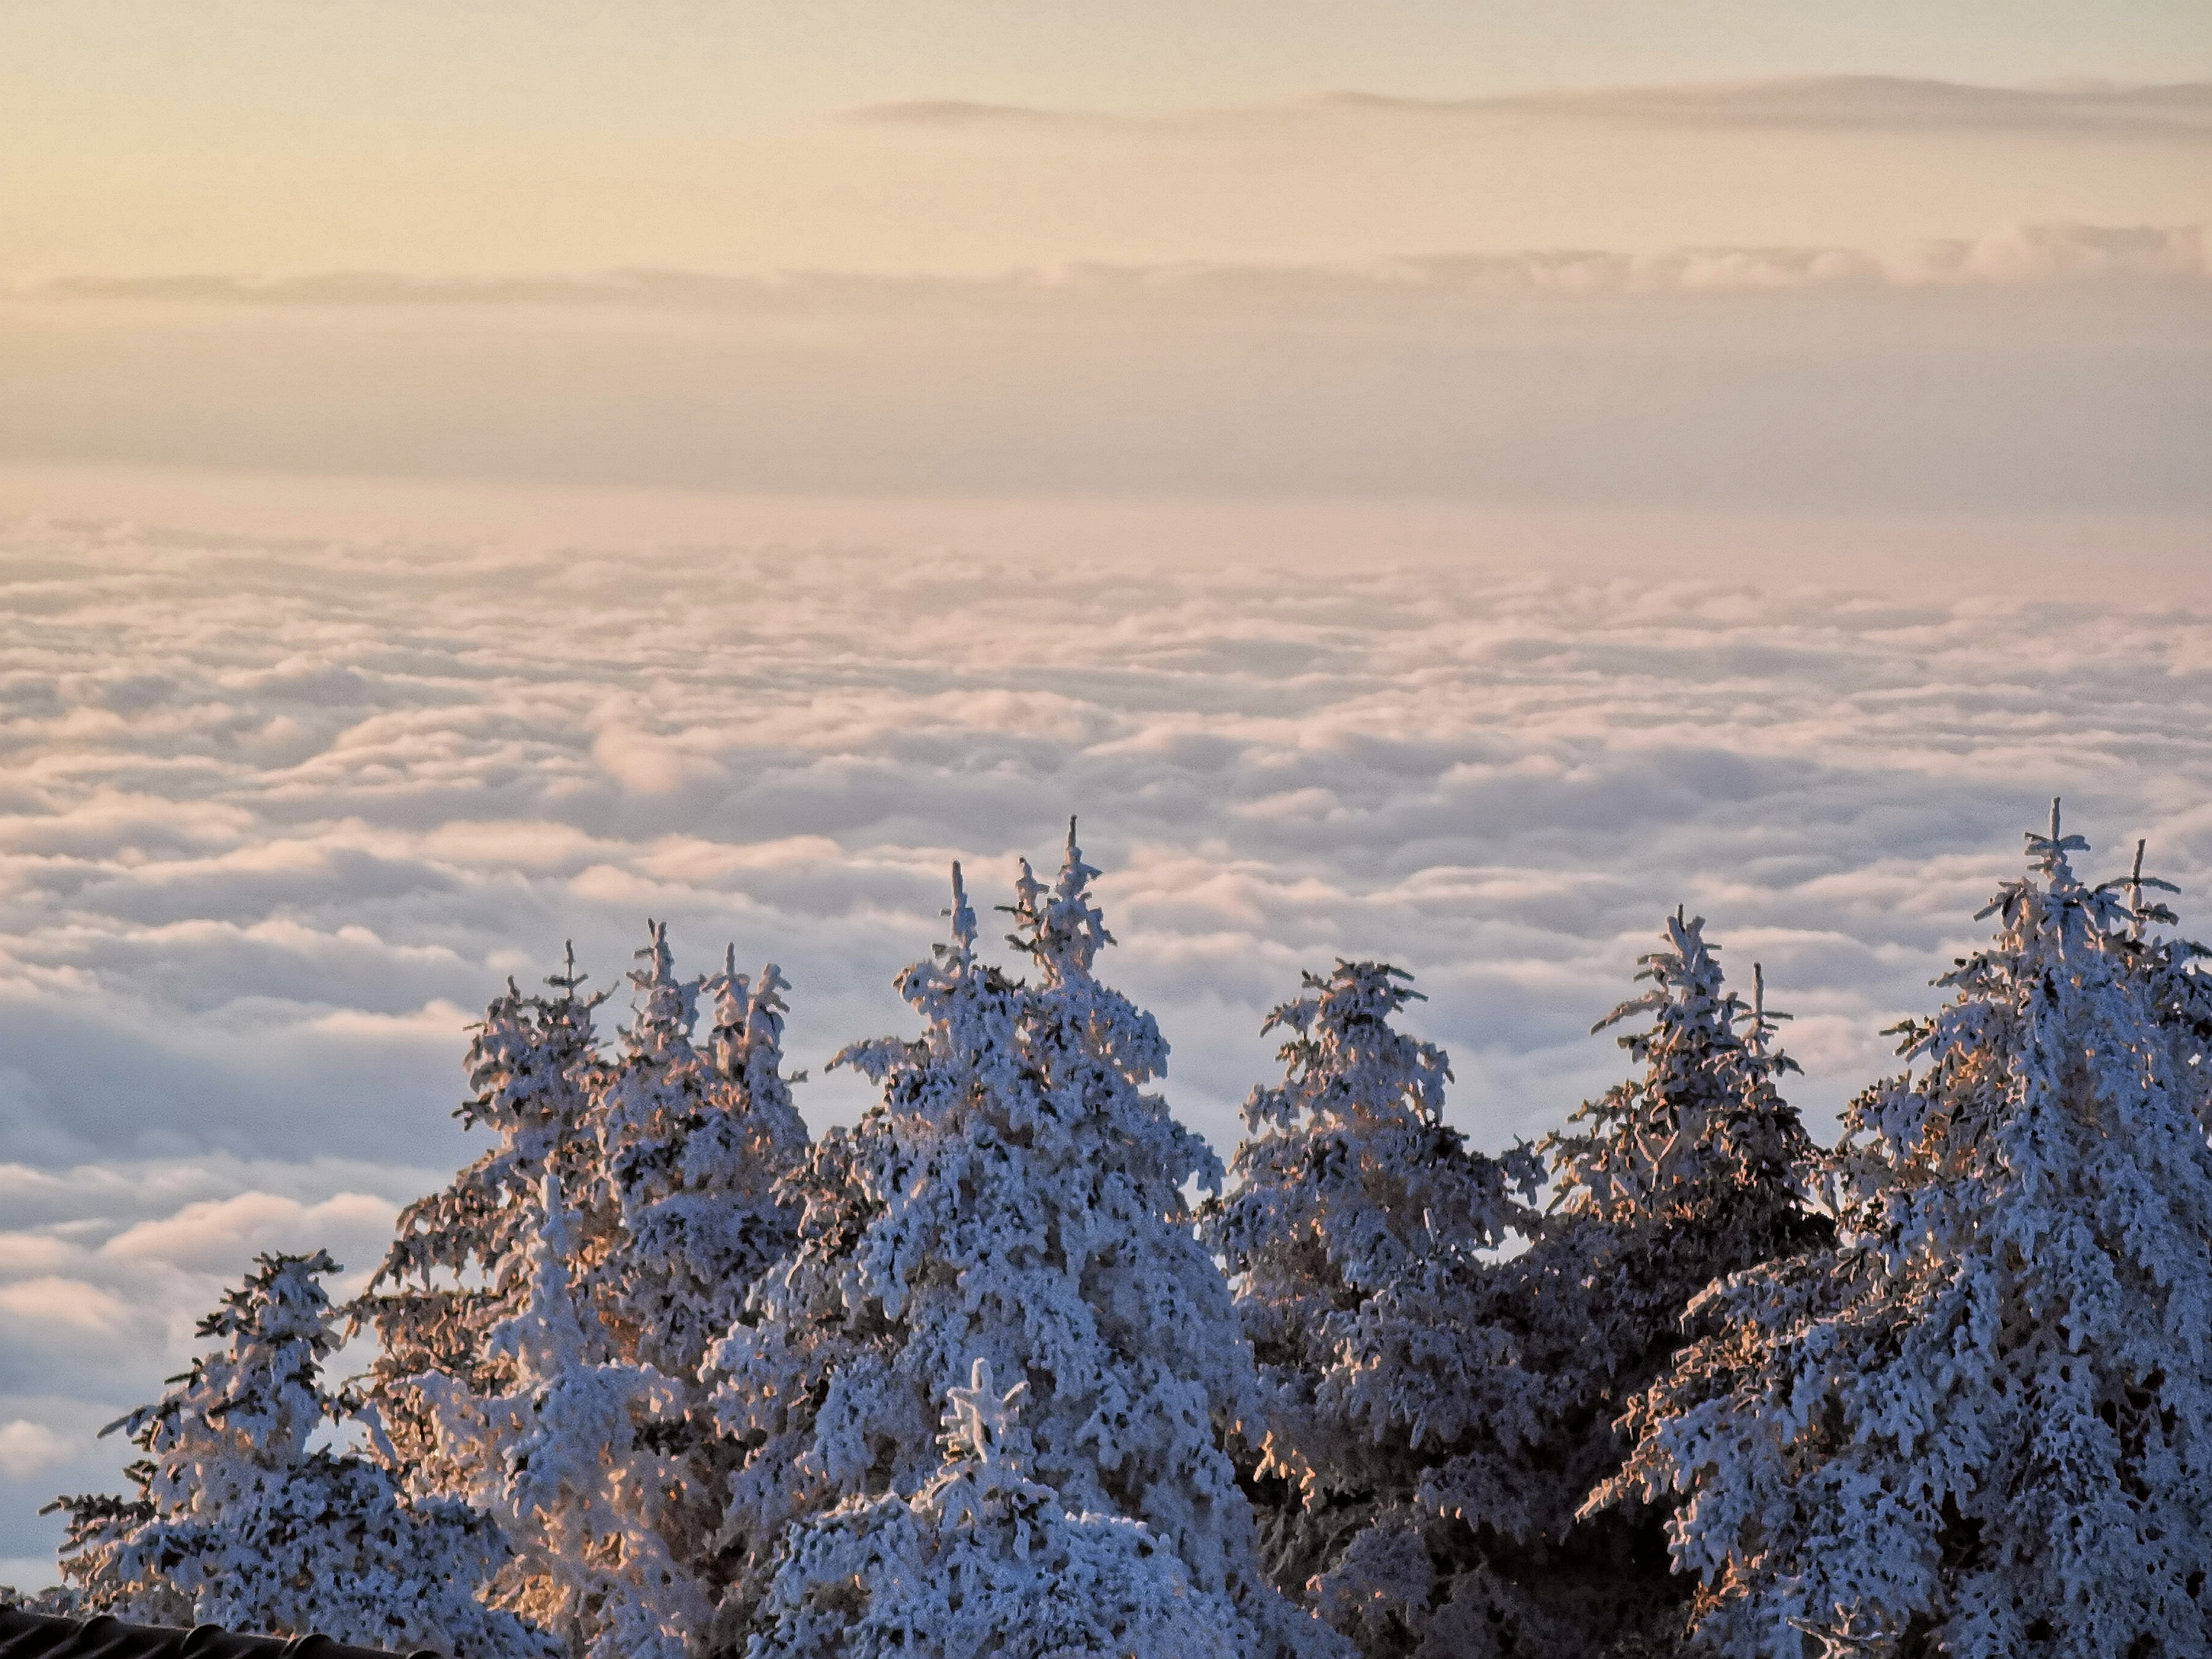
(980, 191)
(1572, 253)
(254, 136)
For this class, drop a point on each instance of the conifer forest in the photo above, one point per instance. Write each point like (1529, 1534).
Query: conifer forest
(1018, 1365)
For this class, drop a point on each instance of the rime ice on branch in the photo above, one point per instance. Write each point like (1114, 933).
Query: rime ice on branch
(1353, 1197)
(983, 1560)
(1983, 1422)
(1443, 1413)
(498, 1314)
(569, 1460)
(1014, 1198)
(237, 1523)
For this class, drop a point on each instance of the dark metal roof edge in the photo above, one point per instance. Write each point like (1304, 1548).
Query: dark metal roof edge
(43, 1636)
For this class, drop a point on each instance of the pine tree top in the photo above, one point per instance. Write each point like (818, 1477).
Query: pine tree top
(1982, 1421)
(1704, 1127)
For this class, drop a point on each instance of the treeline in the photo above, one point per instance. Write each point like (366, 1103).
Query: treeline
(657, 1377)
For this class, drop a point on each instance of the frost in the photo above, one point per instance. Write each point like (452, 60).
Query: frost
(1015, 1200)
(543, 1320)
(1982, 1422)
(237, 1523)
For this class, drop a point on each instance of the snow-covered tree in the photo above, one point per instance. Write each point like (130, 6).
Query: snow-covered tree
(456, 1267)
(1461, 1404)
(1353, 1196)
(2180, 995)
(695, 1146)
(238, 1523)
(1015, 1198)
(983, 1560)
(1981, 1425)
(692, 1147)
(568, 1460)
(494, 1310)
(1693, 1170)
(1701, 1151)
(776, 1365)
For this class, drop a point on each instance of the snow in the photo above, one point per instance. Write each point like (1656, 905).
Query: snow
(658, 1377)
(1015, 1198)
(237, 1523)
(1983, 1419)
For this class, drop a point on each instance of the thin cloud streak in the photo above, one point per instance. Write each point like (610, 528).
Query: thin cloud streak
(2048, 368)
(2013, 256)
(1859, 103)
(973, 188)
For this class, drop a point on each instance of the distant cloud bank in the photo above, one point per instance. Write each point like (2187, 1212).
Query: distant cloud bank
(2042, 367)
(1845, 102)
(2013, 255)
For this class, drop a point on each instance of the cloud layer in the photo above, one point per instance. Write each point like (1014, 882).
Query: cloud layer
(279, 816)
(1854, 103)
(2015, 255)
(938, 187)
(2056, 367)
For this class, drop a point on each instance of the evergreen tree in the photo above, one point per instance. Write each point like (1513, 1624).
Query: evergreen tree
(776, 1365)
(983, 1560)
(1352, 1195)
(1692, 1170)
(666, 1160)
(692, 1146)
(1981, 1425)
(457, 1265)
(570, 1459)
(237, 1522)
(1015, 1198)
(1462, 1403)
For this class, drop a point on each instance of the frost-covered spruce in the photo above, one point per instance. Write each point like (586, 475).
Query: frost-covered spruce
(983, 1560)
(692, 1147)
(1354, 1197)
(1702, 1136)
(665, 1157)
(1982, 1424)
(1015, 1198)
(237, 1523)
(1694, 1168)
(1487, 1388)
(568, 1459)
(457, 1265)
(2181, 996)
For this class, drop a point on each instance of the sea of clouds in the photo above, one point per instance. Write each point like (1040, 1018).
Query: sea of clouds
(279, 814)
(282, 805)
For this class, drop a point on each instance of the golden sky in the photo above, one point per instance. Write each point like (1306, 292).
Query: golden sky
(1890, 256)
(256, 136)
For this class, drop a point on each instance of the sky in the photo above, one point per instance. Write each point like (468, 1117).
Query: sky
(1448, 482)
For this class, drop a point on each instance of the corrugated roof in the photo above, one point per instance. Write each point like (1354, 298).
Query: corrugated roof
(40, 1635)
